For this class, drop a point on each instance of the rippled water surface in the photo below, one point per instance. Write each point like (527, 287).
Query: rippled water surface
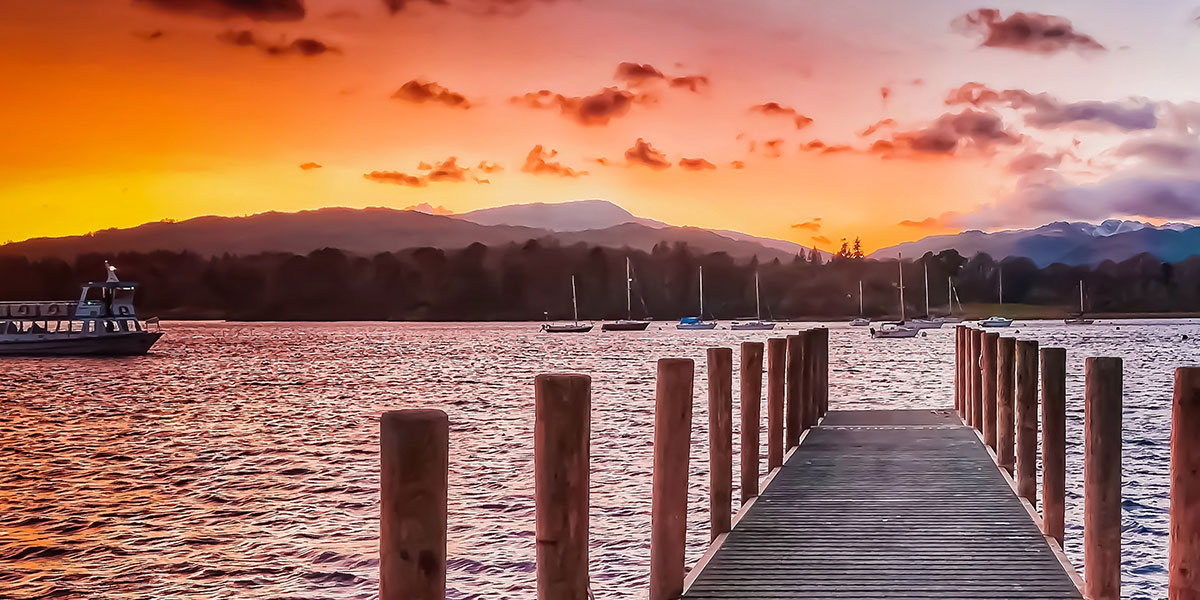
(241, 461)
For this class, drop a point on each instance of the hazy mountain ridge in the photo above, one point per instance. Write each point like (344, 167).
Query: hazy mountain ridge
(1072, 243)
(373, 230)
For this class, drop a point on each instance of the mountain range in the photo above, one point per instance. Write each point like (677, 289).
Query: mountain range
(1072, 243)
(373, 230)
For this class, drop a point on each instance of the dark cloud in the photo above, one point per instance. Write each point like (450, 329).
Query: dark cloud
(596, 109)
(1171, 153)
(811, 225)
(538, 162)
(775, 108)
(875, 127)
(884, 93)
(693, 83)
(948, 134)
(820, 239)
(300, 46)
(635, 73)
(258, 10)
(149, 36)
(1047, 112)
(737, 164)
(696, 164)
(926, 223)
(642, 153)
(419, 91)
(488, 167)
(1148, 197)
(396, 177)
(308, 166)
(1030, 161)
(773, 148)
(448, 170)
(1025, 31)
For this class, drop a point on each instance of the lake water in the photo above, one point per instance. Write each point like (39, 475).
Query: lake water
(241, 460)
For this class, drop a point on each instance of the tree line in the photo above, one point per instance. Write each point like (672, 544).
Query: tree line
(531, 281)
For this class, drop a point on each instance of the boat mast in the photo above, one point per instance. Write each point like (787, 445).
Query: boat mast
(757, 301)
(860, 298)
(1081, 297)
(900, 266)
(628, 293)
(701, 293)
(1000, 270)
(926, 265)
(949, 297)
(574, 300)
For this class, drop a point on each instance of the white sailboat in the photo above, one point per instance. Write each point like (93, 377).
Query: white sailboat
(628, 323)
(898, 329)
(757, 324)
(995, 321)
(928, 322)
(575, 327)
(950, 318)
(1080, 319)
(862, 320)
(697, 323)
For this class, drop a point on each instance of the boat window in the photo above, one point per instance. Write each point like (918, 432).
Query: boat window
(124, 325)
(11, 328)
(109, 326)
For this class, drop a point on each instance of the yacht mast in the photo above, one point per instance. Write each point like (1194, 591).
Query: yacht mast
(949, 297)
(574, 300)
(757, 301)
(900, 266)
(701, 293)
(1081, 297)
(628, 293)
(926, 265)
(860, 298)
(1000, 270)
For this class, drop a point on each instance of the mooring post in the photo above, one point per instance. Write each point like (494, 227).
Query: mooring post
(561, 450)
(1006, 358)
(668, 505)
(795, 389)
(810, 394)
(751, 398)
(823, 372)
(776, 383)
(977, 379)
(720, 439)
(958, 334)
(1054, 442)
(414, 450)
(1026, 366)
(1184, 555)
(990, 341)
(1102, 479)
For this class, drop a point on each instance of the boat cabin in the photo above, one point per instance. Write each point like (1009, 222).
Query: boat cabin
(103, 307)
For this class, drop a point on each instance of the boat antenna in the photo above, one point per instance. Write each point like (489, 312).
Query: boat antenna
(900, 267)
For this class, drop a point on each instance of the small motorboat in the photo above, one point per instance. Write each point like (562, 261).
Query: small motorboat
(895, 330)
(950, 320)
(924, 323)
(695, 324)
(860, 322)
(625, 325)
(996, 322)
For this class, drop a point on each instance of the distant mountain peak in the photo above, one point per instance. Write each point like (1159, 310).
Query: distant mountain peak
(577, 215)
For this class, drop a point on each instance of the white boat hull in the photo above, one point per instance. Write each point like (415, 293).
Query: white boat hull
(895, 332)
(924, 323)
(702, 326)
(752, 326)
(133, 343)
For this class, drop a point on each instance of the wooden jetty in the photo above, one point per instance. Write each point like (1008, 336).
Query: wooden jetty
(854, 504)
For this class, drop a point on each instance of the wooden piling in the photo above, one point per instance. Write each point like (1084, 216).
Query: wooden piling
(668, 505)
(720, 439)
(1054, 442)
(988, 419)
(795, 389)
(1026, 366)
(810, 394)
(1102, 479)
(414, 448)
(561, 450)
(976, 373)
(1006, 358)
(823, 372)
(958, 337)
(1183, 578)
(751, 407)
(776, 385)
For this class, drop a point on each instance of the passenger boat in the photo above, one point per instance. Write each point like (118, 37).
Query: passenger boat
(697, 323)
(102, 323)
(628, 323)
(898, 329)
(757, 324)
(996, 322)
(1079, 319)
(574, 327)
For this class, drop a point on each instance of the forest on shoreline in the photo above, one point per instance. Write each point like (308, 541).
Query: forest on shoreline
(531, 281)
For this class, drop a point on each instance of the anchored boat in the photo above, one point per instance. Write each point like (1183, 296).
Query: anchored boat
(898, 329)
(103, 322)
(628, 323)
(757, 324)
(573, 327)
(697, 323)
(1079, 319)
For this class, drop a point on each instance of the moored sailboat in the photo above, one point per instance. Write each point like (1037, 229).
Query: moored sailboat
(997, 321)
(697, 323)
(862, 320)
(928, 322)
(757, 324)
(898, 329)
(574, 327)
(628, 323)
(1079, 319)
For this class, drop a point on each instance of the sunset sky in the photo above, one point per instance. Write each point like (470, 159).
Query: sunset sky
(807, 121)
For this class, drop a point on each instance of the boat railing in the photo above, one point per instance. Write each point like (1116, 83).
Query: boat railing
(37, 310)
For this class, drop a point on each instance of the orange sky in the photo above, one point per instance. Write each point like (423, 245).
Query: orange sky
(121, 112)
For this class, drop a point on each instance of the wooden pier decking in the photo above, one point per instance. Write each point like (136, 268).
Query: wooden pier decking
(886, 504)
